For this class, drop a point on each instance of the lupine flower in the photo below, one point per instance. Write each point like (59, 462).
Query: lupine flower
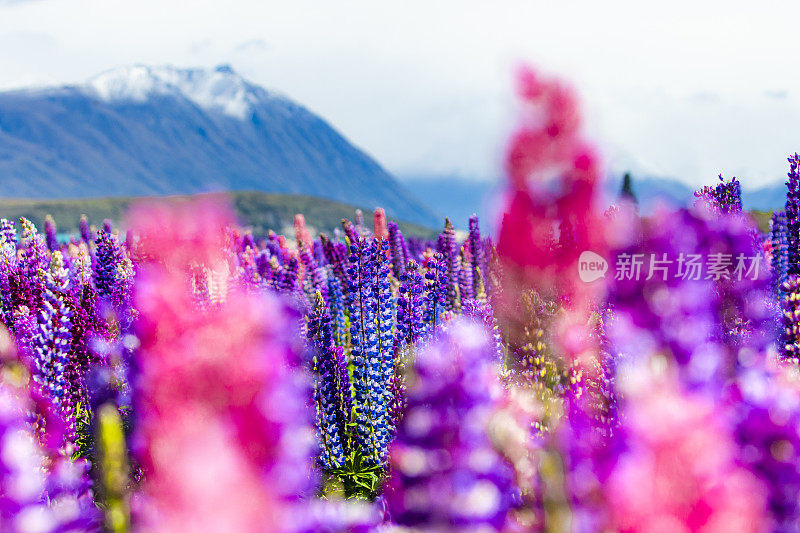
(397, 249)
(314, 275)
(222, 426)
(7, 232)
(789, 338)
(446, 476)
(379, 230)
(476, 255)
(410, 328)
(332, 391)
(370, 310)
(793, 216)
(336, 303)
(680, 471)
(85, 231)
(50, 344)
(50, 233)
(435, 292)
(465, 282)
(766, 414)
(780, 248)
(108, 260)
(301, 233)
(725, 197)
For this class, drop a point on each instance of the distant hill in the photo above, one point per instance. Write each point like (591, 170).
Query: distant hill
(456, 197)
(260, 211)
(155, 131)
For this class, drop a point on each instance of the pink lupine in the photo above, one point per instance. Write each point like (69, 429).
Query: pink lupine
(301, 233)
(379, 230)
(679, 473)
(222, 427)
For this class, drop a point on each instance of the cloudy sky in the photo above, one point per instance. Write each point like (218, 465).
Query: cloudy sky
(687, 89)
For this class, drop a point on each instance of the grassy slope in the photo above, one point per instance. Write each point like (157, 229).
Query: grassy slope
(260, 211)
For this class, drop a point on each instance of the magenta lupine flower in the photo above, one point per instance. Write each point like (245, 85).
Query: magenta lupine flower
(446, 476)
(223, 430)
(680, 470)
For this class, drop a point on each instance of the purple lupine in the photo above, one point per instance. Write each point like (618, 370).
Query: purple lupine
(51, 343)
(674, 303)
(288, 278)
(22, 479)
(85, 230)
(789, 333)
(335, 255)
(725, 197)
(314, 277)
(51, 236)
(482, 312)
(793, 216)
(449, 249)
(436, 482)
(7, 232)
(766, 417)
(435, 292)
(465, 281)
(397, 250)
(33, 249)
(410, 303)
(8, 264)
(476, 251)
(350, 231)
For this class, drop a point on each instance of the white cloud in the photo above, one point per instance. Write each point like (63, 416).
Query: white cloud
(685, 89)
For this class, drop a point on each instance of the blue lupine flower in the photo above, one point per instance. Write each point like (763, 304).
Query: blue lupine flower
(793, 216)
(108, 258)
(370, 344)
(435, 292)
(332, 391)
(336, 306)
(409, 306)
(780, 250)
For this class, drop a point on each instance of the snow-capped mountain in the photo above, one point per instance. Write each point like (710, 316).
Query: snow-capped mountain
(162, 130)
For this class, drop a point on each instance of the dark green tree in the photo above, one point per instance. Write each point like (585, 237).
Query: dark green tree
(627, 188)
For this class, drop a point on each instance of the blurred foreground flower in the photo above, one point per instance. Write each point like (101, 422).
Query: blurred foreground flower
(223, 427)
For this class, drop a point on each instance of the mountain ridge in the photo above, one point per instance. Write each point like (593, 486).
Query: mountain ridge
(183, 131)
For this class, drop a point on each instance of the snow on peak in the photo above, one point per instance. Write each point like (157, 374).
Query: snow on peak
(220, 89)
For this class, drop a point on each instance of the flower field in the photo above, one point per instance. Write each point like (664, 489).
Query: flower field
(184, 374)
